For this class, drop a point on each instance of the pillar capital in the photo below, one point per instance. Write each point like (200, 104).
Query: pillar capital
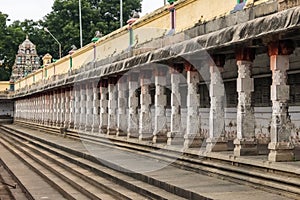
(146, 74)
(133, 76)
(112, 80)
(189, 67)
(218, 60)
(103, 83)
(245, 54)
(281, 47)
(176, 68)
(122, 78)
(160, 71)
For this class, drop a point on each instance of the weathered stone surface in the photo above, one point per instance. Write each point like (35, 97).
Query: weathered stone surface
(103, 107)
(245, 143)
(133, 102)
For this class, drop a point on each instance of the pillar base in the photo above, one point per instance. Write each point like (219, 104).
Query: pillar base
(245, 147)
(111, 131)
(132, 134)
(175, 138)
(281, 152)
(81, 127)
(121, 133)
(146, 137)
(71, 126)
(95, 129)
(192, 141)
(88, 129)
(216, 144)
(262, 146)
(57, 124)
(103, 129)
(160, 137)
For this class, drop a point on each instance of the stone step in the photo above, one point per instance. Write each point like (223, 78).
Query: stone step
(96, 183)
(167, 184)
(55, 183)
(127, 181)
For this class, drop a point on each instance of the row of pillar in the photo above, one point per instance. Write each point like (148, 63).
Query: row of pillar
(112, 106)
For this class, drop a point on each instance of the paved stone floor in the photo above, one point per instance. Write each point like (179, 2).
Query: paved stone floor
(210, 187)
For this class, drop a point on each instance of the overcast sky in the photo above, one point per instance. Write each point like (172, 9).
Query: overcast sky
(37, 9)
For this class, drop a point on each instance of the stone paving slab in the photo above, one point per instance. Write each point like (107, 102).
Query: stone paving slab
(37, 187)
(210, 187)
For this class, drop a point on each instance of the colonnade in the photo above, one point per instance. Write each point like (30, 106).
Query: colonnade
(113, 106)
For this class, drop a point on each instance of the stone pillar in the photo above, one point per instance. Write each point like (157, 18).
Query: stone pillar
(245, 143)
(77, 109)
(216, 140)
(175, 136)
(45, 108)
(122, 106)
(62, 107)
(160, 122)
(281, 147)
(32, 109)
(58, 107)
(192, 138)
(112, 106)
(42, 108)
(96, 104)
(36, 108)
(66, 121)
(71, 108)
(51, 107)
(82, 118)
(89, 106)
(145, 122)
(103, 106)
(133, 103)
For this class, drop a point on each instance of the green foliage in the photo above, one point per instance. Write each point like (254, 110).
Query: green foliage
(63, 23)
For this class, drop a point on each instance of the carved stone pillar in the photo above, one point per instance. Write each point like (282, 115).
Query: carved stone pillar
(192, 136)
(62, 107)
(51, 107)
(66, 121)
(32, 110)
(96, 104)
(122, 106)
(71, 107)
(82, 117)
(145, 122)
(58, 108)
(160, 122)
(54, 114)
(133, 103)
(112, 106)
(216, 140)
(245, 143)
(77, 108)
(103, 106)
(45, 109)
(281, 148)
(89, 106)
(35, 109)
(175, 136)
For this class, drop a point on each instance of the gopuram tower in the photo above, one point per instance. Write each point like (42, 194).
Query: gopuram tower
(27, 60)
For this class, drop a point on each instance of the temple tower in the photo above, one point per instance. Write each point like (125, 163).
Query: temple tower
(27, 60)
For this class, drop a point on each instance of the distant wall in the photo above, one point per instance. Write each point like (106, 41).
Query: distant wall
(6, 108)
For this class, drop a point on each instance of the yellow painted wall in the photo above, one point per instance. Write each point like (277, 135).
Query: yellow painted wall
(4, 85)
(154, 25)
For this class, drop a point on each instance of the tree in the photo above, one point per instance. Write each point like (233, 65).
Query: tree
(63, 23)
